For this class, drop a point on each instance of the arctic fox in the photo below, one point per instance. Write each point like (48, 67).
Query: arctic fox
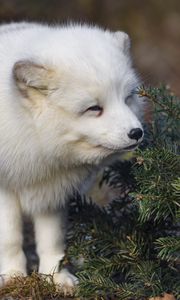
(66, 104)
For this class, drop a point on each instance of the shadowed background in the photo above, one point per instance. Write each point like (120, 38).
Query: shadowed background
(153, 25)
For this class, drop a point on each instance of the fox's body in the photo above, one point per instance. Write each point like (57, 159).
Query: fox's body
(66, 104)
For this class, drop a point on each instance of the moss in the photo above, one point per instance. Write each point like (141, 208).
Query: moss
(33, 287)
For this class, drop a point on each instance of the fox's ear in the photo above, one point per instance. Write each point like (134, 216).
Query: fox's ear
(123, 40)
(28, 74)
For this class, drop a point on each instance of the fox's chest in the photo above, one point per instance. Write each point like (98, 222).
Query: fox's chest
(51, 194)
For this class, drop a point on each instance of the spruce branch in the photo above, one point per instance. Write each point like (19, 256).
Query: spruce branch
(165, 124)
(165, 101)
(157, 178)
(168, 248)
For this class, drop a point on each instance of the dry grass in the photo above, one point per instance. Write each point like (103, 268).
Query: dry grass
(34, 287)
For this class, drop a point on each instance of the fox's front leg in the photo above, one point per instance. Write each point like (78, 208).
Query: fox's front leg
(49, 233)
(12, 258)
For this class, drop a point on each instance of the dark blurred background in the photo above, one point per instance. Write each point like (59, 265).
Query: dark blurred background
(154, 27)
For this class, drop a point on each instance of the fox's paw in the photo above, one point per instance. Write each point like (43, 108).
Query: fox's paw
(9, 276)
(65, 281)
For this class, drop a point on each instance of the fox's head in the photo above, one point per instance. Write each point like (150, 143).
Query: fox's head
(79, 90)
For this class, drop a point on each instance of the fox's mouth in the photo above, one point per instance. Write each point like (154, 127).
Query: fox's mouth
(117, 149)
(132, 147)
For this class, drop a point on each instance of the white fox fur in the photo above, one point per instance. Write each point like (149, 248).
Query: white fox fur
(50, 136)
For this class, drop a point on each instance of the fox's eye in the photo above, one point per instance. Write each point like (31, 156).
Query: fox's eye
(95, 108)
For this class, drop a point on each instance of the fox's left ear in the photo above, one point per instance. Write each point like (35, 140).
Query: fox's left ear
(29, 75)
(123, 40)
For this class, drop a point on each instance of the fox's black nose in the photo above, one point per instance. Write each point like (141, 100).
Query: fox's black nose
(135, 134)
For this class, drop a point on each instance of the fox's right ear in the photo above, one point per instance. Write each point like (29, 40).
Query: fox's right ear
(29, 75)
(123, 40)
